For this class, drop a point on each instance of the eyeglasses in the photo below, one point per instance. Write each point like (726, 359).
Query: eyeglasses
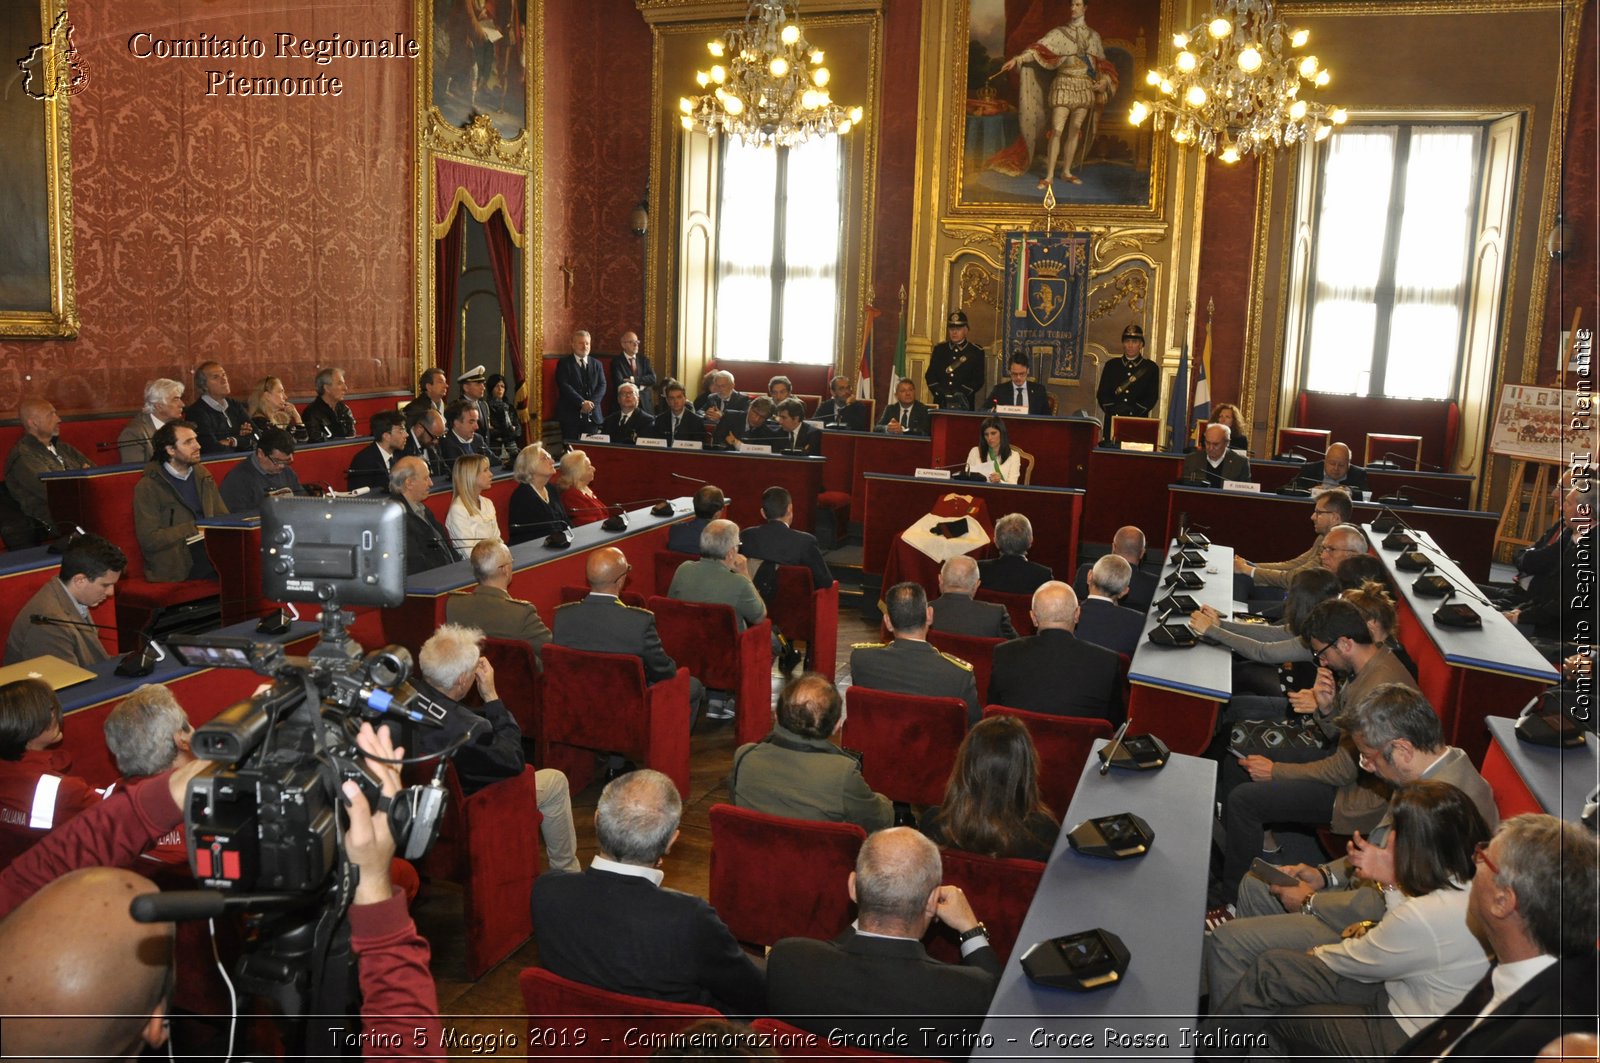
(281, 459)
(1326, 549)
(1367, 761)
(1480, 854)
(1316, 654)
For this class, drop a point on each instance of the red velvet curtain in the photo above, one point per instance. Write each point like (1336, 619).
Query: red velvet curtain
(503, 264)
(447, 272)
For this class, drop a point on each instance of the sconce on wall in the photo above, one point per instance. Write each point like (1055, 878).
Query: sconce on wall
(1561, 240)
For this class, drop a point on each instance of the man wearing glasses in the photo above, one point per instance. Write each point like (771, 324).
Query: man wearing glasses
(1331, 508)
(424, 429)
(268, 471)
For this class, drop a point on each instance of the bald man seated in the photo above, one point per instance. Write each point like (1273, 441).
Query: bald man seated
(38, 451)
(1335, 470)
(958, 612)
(1054, 671)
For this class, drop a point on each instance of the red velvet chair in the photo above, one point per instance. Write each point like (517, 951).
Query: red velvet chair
(1020, 606)
(489, 843)
(649, 722)
(773, 877)
(516, 676)
(908, 743)
(1405, 447)
(1000, 891)
(793, 1042)
(611, 1023)
(1136, 430)
(809, 616)
(1313, 441)
(578, 594)
(706, 639)
(1063, 743)
(667, 562)
(978, 652)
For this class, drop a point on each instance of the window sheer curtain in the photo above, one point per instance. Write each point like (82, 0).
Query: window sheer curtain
(744, 251)
(811, 253)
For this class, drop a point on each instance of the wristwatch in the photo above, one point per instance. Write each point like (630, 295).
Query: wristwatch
(978, 930)
(1305, 905)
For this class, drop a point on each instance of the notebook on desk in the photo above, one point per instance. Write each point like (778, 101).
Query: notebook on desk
(53, 670)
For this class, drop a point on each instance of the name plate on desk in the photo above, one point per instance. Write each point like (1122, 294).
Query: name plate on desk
(1140, 448)
(1241, 485)
(754, 448)
(932, 474)
(646, 441)
(688, 444)
(1003, 408)
(818, 425)
(594, 437)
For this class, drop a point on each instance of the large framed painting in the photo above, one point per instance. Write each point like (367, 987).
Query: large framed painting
(479, 63)
(1044, 88)
(36, 268)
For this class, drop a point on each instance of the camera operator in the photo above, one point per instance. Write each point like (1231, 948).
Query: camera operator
(121, 970)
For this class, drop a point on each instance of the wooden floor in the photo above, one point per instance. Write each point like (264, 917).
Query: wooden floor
(494, 1002)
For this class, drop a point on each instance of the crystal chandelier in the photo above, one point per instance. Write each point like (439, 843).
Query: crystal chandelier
(1236, 85)
(767, 85)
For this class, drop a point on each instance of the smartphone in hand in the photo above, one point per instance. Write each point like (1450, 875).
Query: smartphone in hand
(1272, 876)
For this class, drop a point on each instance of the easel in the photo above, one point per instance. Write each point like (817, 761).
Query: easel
(1520, 527)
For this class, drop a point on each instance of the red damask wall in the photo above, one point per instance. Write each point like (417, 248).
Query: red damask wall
(264, 232)
(597, 160)
(1575, 281)
(897, 162)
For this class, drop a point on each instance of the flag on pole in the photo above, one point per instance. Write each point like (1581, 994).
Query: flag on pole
(1202, 380)
(1178, 406)
(1019, 289)
(899, 371)
(864, 363)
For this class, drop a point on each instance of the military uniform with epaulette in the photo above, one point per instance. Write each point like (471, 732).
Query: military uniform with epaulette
(603, 623)
(955, 368)
(499, 616)
(912, 666)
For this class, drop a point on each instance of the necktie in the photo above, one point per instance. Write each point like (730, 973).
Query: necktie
(675, 418)
(905, 417)
(794, 440)
(1448, 1030)
(1020, 399)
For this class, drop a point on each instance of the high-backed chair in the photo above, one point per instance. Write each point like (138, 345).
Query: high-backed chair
(650, 722)
(1312, 442)
(791, 1041)
(976, 651)
(613, 1024)
(1404, 447)
(1136, 429)
(489, 843)
(808, 615)
(1063, 743)
(1020, 606)
(706, 639)
(1027, 464)
(773, 877)
(667, 562)
(908, 743)
(1000, 889)
(516, 674)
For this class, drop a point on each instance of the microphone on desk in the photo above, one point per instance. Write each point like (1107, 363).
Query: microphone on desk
(691, 479)
(57, 537)
(1111, 750)
(618, 521)
(135, 663)
(115, 445)
(1427, 548)
(1297, 452)
(1391, 460)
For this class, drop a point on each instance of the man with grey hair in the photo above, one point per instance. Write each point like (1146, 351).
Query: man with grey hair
(449, 666)
(427, 542)
(326, 416)
(721, 575)
(580, 388)
(489, 606)
(752, 424)
(1101, 618)
(909, 664)
(720, 398)
(148, 733)
(843, 411)
(614, 927)
(1012, 572)
(424, 430)
(628, 421)
(1335, 470)
(956, 611)
(1055, 672)
(633, 367)
(163, 402)
(1215, 463)
(876, 977)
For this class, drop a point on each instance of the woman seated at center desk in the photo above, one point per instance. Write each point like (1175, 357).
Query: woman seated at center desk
(993, 458)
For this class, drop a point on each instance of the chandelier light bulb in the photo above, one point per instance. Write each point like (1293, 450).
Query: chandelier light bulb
(1323, 77)
(1338, 116)
(845, 126)
(1195, 97)
(779, 66)
(1250, 60)
(1152, 76)
(1230, 155)
(717, 48)
(820, 76)
(1138, 112)
(732, 104)
(1220, 28)
(1300, 38)
(687, 122)
(1185, 61)
(1322, 132)
(791, 33)
(1181, 135)
(816, 56)
(685, 105)
(719, 74)
(702, 77)
(1166, 87)
(1180, 40)
(1297, 110)
(1308, 67)
(808, 99)
(856, 114)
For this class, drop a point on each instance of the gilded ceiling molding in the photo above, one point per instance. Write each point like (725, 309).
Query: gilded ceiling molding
(978, 286)
(478, 141)
(1131, 286)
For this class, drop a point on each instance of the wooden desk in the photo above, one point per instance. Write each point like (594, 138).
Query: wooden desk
(1155, 903)
(893, 502)
(628, 474)
(1439, 489)
(1174, 693)
(1466, 674)
(1060, 445)
(1529, 778)
(861, 453)
(1269, 527)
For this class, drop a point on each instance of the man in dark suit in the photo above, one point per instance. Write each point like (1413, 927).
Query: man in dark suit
(909, 664)
(370, 467)
(424, 430)
(327, 416)
(1012, 572)
(905, 415)
(221, 421)
(1335, 470)
(632, 367)
(614, 927)
(709, 504)
(796, 437)
(580, 386)
(427, 542)
(1216, 462)
(843, 411)
(628, 421)
(776, 542)
(876, 977)
(1054, 671)
(1019, 390)
(432, 387)
(1101, 620)
(463, 436)
(720, 399)
(678, 422)
(956, 611)
(752, 424)
(1128, 544)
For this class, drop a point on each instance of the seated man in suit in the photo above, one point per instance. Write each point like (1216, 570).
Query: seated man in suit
(843, 411)
(428, 544)
(797, 436)
(1012, 572)
(1054, 671)
(163, 402)
(1331, 509)
(956, 611)
(90, 568)
(720, 399)
(709, 504)
(39, 450)
(462, 437)
(450, 665)
(628, 421)
(1216, 462)
(424, 429)
(489, 606)
(432, 387)
(614, 927)
(780, 389)
(326, 416)
(173, 493)
(905, 415)
(1335, 470)
(269, 471)
(778, 543)
(1101, 620)
(797, 770)
(876, 978)
(1019, 390)
(1128, 544)
(370, 467)
(752, 424)
(678, 422)
(221, 421)
(908, 664)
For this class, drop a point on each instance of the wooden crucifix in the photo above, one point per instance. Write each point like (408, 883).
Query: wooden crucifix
(567, 267)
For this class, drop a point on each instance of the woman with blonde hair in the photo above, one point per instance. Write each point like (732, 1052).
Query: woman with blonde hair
(269, 405)
(472, 518)
(536, 508)
(582, 504)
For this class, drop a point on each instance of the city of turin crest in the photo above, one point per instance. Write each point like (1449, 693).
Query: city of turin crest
(1047, 292)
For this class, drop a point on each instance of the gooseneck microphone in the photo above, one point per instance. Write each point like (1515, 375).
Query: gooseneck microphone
(135, 663)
